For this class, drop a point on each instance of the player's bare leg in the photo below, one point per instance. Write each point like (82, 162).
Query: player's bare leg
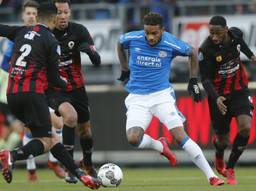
(86, 142)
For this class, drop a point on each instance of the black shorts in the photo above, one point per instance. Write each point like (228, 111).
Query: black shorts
(77, 98)
(237, 103)
(6, 114)
(32, 109)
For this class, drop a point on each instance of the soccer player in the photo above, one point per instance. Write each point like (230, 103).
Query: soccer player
(34, 63)
(74, 38)
(224, 79)
(147, 75)
(29, 14)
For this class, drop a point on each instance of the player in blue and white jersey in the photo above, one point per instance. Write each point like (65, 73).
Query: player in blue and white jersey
(146, 72)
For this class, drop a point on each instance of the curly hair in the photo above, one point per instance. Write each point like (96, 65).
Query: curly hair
(153, 19)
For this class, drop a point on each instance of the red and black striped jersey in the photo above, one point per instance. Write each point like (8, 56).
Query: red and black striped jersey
(73, 40)
(34, 61)
(221, 67)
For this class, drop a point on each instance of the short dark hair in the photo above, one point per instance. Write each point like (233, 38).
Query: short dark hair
(30, 3)
(218, 20)
(46, 9)
(153, 19)
(62, 1)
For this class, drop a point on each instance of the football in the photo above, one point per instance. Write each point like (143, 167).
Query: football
(110, 175)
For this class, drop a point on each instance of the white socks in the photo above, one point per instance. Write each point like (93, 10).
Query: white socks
(197, 156)
(149, 143)
(31, 164)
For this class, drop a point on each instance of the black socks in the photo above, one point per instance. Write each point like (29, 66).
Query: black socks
(60, 153)
(68, 134)
(34, 147)
(87, 144)
(239, 146)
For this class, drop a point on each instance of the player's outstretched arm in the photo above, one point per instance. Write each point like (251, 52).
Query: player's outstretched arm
(9, 31)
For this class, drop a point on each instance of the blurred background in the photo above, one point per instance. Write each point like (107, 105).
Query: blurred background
(187, 19)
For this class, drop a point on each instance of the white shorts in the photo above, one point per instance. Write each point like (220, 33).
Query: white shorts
(161, 104)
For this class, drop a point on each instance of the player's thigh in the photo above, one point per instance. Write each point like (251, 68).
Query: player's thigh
(168, 114)
(79, 100)
(241, 104)
(55, 99)
(138, 116)
(37, 116)
(17, 105)
(220, 123)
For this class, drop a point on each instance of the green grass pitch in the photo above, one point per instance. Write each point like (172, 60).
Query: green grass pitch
(138, 179)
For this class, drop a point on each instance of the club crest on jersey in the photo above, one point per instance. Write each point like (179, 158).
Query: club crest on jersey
(162, 54)
(71, 44)
(219, 58)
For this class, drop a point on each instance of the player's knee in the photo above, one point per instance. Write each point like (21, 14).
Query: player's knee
(223, 144)
(70, 120)
(68, 114)
(245, 132)
(134, 136)
(133, 140)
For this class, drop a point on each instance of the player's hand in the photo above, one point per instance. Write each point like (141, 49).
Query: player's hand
(194, 90)
(125, 76)
(253, 59)
(220, 103)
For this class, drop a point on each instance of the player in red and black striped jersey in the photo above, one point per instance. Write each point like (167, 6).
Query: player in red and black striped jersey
(224, 79)
(73, 40)
(35, 62)
(72, 104)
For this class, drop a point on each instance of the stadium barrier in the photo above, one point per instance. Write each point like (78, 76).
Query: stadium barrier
(110, 144)
(108, 121)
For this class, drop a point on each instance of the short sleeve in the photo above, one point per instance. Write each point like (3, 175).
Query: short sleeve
(181, 48)
(125, 40)
(85, 36)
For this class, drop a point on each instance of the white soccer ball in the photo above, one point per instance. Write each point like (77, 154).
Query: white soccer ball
(110, 175)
